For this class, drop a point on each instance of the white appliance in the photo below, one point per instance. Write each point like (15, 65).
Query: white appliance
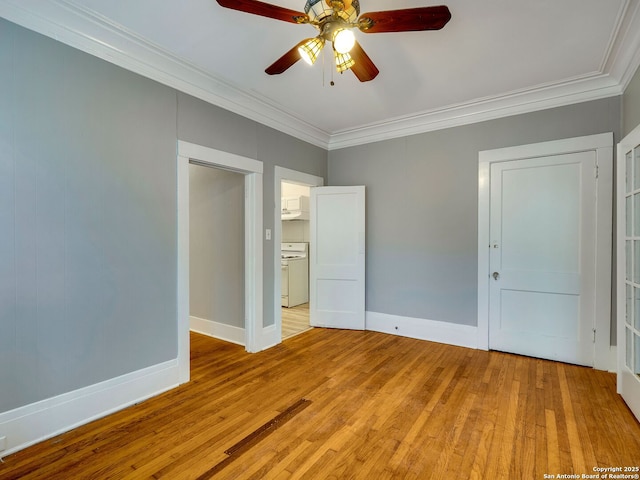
(295, 273)
(295, 208)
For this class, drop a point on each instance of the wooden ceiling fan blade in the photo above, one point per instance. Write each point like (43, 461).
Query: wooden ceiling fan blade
(407, 20)
(265, 10)
(364, 68)
(285, 61)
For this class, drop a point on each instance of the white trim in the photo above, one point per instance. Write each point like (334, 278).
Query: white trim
(602, 144)
(287, 175)
(613, 359)
(624, 58)
(553, 147)
(219, 158)
(214, 329)
(182, 270)
(483, 257)
(253, 274)
(422, 329)
(271, 336)
(624, 375)
(252, 170)
(30, 424)
(592, 87)
(81, 28)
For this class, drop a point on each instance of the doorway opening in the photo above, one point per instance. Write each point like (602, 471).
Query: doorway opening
(251, 170)
(534, 298)
(216, 252)
(292, 240)
(294, 254)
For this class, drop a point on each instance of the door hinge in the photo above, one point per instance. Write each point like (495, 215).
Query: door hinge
(594, 335)
(597, 170)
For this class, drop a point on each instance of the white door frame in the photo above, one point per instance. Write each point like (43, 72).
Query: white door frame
(252, 171)
(293, 176)
(602, 144)
(627, 382)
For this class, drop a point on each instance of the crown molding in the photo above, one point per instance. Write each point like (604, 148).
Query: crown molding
(593, 87)
(623, 57)
(83, 29)
(620, 63)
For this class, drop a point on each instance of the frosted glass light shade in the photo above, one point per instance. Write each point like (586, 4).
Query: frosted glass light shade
(343, 41)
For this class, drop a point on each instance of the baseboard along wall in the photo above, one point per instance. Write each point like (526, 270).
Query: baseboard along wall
(422, 329)
(39, 421)
(33, 423)
(218, 330)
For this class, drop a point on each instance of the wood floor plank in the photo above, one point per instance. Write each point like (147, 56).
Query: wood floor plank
(295, 320)
(553, 448)
(383, 407)
(575, 441)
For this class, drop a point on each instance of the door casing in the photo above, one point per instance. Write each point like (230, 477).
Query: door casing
(602, 144)
(252, 171)
(292, 176)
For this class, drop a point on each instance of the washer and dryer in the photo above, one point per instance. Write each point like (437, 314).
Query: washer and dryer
(295, 273)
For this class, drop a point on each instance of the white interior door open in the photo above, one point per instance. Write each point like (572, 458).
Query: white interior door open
(337, 257)
(628, 257)
(542, 257)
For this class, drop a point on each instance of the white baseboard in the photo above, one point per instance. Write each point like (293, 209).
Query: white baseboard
(33, 423)
(423, 329)
(218, 330)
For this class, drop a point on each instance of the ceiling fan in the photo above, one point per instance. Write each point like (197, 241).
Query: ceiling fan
(334, 20)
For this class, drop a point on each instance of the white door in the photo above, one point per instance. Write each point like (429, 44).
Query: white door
(542, 257)
(628, 255)
(336, 257)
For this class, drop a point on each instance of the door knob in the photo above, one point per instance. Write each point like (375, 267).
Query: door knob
(496, 275)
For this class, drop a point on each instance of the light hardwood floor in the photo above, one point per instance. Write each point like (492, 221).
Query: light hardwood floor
(295, 320)
(377, 407)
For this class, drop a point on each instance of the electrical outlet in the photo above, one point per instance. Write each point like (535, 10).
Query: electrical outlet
(3, 443)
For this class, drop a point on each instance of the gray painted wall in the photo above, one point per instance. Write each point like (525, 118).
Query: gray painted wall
(422, 207)
(88, 213)
(87, 220)
(204, 124)
(631, 104)
(216, 245)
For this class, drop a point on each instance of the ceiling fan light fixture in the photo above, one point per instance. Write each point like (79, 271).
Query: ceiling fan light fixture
(310, 49)
(317, 10)
(343, 40)
(343, 61)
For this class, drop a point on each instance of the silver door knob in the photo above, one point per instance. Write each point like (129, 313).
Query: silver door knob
(496, 275)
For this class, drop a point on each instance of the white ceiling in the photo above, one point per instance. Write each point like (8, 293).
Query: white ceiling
(494, 58)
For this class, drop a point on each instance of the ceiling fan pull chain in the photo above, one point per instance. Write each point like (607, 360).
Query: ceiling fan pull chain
(331, 83)
(324, 67)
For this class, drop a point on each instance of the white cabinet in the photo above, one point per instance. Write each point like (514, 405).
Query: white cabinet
(295, 203)
(295, 282)
(295, 208)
